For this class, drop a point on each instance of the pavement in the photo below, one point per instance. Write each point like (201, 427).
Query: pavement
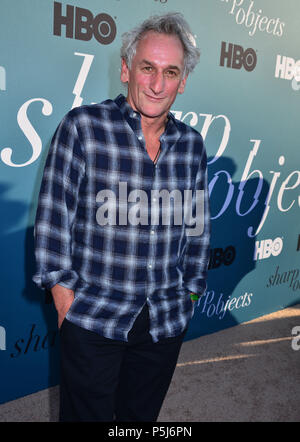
(246, 373)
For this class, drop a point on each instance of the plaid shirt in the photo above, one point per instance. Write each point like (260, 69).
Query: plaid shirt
(114, 268)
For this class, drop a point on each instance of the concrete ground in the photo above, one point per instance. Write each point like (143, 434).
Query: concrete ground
(247, 373)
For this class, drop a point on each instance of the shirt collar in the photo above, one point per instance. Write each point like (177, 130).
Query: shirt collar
(171, 134)
(125, 108)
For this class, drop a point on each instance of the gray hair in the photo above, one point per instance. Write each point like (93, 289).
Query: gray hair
(171, 23)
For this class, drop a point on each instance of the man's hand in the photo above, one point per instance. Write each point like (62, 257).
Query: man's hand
(63, 299)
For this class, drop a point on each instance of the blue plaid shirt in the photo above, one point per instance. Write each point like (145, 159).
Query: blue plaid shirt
(115, 268)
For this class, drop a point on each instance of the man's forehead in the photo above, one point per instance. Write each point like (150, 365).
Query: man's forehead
(156, 44)
(151, 63)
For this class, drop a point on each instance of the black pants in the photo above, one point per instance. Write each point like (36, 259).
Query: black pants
(106, 380)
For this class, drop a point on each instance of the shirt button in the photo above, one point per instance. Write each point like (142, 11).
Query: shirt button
(150, 266)
(152, 232)
(140, 137)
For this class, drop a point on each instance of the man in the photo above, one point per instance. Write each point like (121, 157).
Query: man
(123, 271)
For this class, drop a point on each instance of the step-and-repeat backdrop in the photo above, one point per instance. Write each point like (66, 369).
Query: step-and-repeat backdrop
(244, 97)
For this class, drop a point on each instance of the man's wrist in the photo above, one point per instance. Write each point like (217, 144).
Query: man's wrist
(62, 297)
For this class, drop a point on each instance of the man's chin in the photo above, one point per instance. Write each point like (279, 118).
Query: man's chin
(153, 112)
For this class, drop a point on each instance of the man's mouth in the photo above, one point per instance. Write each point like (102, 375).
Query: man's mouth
(154, 99)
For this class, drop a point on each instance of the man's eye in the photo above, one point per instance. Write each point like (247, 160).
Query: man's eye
(171, 73)
(147, 69)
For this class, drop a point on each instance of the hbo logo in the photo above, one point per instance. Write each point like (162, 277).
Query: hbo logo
(236, 57)
(102, 26)
(287, 68)
(219, 256)
(267, 247)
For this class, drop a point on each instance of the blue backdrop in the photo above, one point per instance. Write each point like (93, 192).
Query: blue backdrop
(243, 97)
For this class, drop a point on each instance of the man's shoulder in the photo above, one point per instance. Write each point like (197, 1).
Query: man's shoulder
(94, 108)
(105, 110)
(186, 130)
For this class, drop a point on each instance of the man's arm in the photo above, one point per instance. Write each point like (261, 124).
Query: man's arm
(56, 211)
(196, 255)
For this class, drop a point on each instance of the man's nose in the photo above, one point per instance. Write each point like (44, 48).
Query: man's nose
(158, 83)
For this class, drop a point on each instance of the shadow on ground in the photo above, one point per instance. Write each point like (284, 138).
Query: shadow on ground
(246, 373)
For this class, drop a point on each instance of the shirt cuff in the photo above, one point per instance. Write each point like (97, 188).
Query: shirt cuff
(47, 280)
(196, 287)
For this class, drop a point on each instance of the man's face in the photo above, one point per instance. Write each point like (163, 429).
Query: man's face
(155, 76)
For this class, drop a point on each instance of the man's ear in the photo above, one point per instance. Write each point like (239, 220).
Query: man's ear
(124, 71)
(182, 85)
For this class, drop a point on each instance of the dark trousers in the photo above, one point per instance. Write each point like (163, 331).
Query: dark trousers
(109, 380)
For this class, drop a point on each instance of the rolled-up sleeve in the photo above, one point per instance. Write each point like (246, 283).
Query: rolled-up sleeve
(57, 204)
(196, 256)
